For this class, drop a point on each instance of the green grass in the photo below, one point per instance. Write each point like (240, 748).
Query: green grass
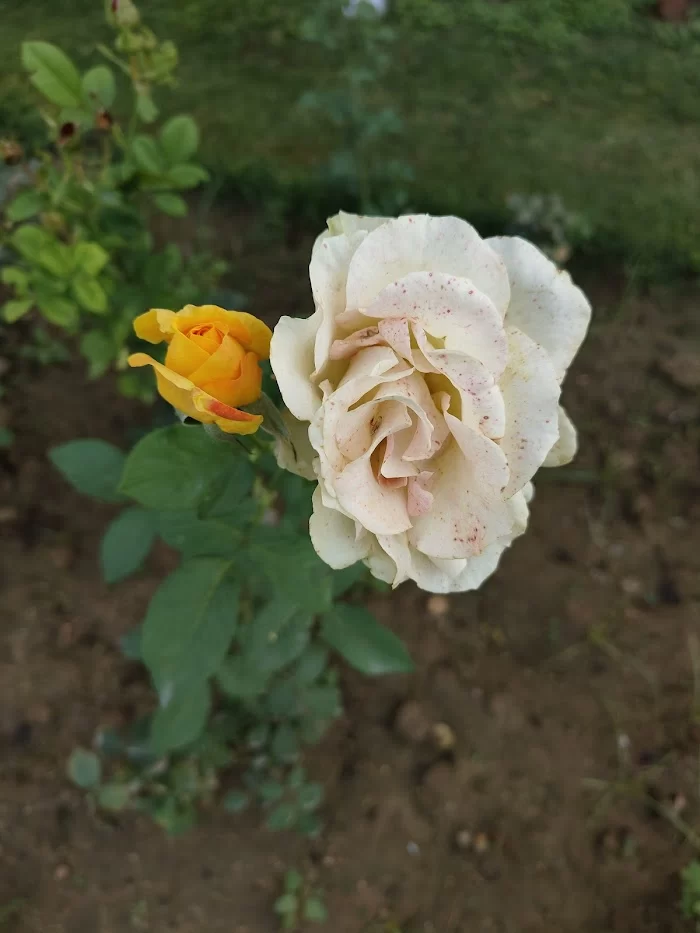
(591, 99)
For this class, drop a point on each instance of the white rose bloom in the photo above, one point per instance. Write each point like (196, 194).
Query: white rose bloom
(427, 382)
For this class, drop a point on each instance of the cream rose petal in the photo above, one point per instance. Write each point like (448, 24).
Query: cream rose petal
(334, 537)
(564, 450)
(531, 395)
(545, 304)
(378, 508)
(447, 307)
(419, 243)
(464, 519)
(328, 271)
(292, 361)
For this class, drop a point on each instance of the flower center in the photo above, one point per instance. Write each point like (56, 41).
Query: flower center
(208, 337)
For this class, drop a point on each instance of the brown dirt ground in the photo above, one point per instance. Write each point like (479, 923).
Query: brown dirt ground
(571, 663)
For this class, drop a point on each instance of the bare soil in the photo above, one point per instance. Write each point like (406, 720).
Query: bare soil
(525, 780)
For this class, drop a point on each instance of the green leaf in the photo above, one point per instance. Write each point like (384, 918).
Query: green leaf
(283, 816)
(239, 680)
(27, 204)
(114, 796)
(99, 86)
(197, 537)
(277, 636)
(13, 275)
(145, 108)
(130, 644)
(365, 644)
(84, 768)
(310, 796)
(287, 904)
(290, 566)
(90, 258)
(344, 580)
(190, 623)
(310, 665)
(89, 294)
(147, 155)
(177, 467)
(236, 801)
(56, 258)
(98, 350)
(52, 73)
(13, 310)
(285, 744)
(171, 204)
(179, 139)
(59, 311)
(93, 467)
(126, 543)
(29, 241)
(187, 176)
(182, 718)
(315, 910)
(309, 824)
(6, 438)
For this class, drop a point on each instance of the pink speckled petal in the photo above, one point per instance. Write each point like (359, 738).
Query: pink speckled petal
(531, 394)
(447, 308)
(422, 243)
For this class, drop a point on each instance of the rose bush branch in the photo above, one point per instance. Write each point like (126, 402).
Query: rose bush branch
(78, 252)
(421, 396)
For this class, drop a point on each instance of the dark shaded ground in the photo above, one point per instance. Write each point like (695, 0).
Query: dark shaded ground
(572, 663)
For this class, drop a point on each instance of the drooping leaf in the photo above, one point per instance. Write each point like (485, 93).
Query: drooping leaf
(91, 466)
(27, 204)
(177, 467)
(171, 204)
(365, 644)
(187, 176)
(182, 718)
(179, 139)
(126, 543)
(13, 310)
(190, 623)
(99, 86)
(52, 73)
(84, 768)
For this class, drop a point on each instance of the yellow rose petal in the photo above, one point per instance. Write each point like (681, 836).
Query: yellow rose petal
(229, 419)
(184, 356)
(224, 364)
(240, 391)
(260, 334)
(175, 389)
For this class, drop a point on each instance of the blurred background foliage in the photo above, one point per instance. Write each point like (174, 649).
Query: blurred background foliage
(596, 101)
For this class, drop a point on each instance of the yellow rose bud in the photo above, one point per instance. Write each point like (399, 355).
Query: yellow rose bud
(212, 363)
